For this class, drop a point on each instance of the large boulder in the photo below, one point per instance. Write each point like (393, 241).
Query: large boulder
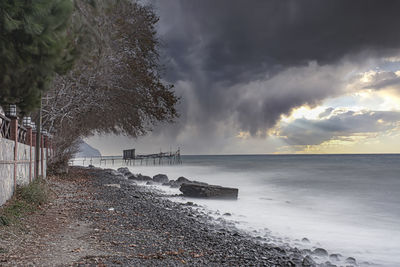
(199, 183)
(160, 178)
(208, 191)
(179, 182)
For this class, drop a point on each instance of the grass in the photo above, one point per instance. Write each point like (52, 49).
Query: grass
(27, 199)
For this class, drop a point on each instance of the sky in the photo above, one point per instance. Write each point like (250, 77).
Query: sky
(273, 76)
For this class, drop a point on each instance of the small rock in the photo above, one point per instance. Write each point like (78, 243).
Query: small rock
(132, 177)
(121, 177)
(160, 178)
(320, 252)
(182, 180)
(227, 214)
(112, 172)
(124, 170)
(111, 209)
(179, 182)
(140, 177)
(308, 261)
(113, 185)
(150, 183)
(334, 257)
(305, 240)
(329, 264)
(351, 260)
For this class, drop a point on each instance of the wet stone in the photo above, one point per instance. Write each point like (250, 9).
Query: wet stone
(160, 178)
(320, 252)
(208, 191)
(334, 257)
(308, 261)
(351, 260)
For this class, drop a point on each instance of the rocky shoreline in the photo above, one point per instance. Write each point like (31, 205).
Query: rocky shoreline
(165, 233)
(102, 218)
(184, 235)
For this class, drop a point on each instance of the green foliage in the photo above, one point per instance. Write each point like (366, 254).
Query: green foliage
(34, 45)
(27, 199)
(36, 193)
(14, 211)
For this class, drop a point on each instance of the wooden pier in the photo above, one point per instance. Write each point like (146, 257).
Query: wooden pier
(129, 157)
(160, 158)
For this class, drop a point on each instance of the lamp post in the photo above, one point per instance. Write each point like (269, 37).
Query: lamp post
(27, 122)
(11, 111)
(38, 138)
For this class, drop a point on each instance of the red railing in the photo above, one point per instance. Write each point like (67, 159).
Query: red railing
(5, 127)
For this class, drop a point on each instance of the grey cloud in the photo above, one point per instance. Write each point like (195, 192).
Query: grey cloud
(326, 113)
(242, 64)
(259, 109)
(384, 79)
(339, 126)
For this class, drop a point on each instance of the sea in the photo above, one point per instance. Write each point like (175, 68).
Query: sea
(346, 204)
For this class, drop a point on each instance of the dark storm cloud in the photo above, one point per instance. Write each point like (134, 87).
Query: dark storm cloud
(339, 126)
(249, 61)
(236, 37)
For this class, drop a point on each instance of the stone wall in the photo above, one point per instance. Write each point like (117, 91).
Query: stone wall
(6, 170)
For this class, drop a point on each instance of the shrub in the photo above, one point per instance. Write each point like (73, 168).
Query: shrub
(36, 193)
(26, 200)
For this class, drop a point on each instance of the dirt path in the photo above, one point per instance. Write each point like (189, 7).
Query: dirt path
(54, 235)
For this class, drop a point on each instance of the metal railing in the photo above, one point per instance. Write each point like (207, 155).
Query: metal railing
(5, 127)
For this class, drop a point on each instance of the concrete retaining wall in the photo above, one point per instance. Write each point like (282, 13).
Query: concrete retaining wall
(25, 167)
(6, 170)
(23, 177)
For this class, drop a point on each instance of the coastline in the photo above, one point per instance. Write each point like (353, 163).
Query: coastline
(113, 221)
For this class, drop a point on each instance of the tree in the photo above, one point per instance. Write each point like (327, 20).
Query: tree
(115, 86)
(34, 46)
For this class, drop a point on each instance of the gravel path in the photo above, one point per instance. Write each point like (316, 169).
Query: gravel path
(99, 219)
